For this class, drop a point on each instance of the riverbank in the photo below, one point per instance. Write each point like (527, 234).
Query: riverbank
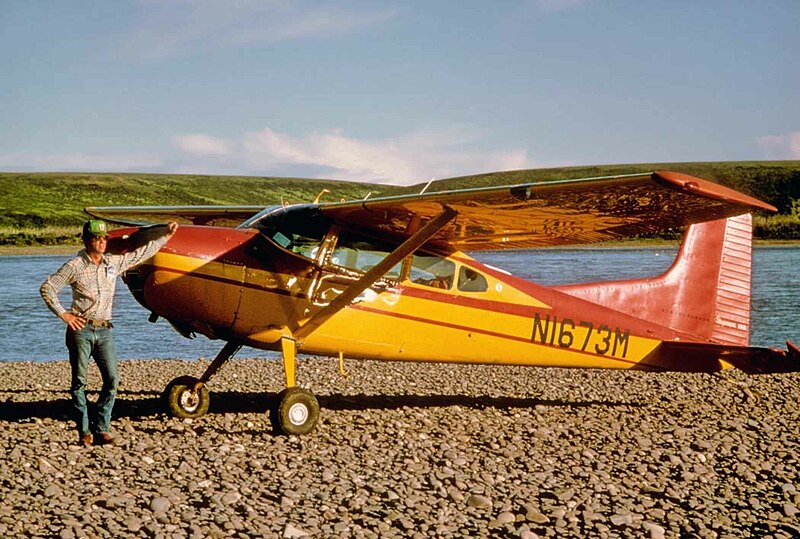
(39, 250)
(408, 450)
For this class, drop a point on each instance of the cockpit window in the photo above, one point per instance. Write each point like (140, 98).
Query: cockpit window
(432, 270)
(470, 280)
(302, 236)
(361, 253)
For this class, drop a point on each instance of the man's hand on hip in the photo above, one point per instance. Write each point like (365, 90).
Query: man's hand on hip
(75, 322)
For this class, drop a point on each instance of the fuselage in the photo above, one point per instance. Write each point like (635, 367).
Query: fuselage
(242, 284)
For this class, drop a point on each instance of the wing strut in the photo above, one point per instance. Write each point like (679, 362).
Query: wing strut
(376, 272)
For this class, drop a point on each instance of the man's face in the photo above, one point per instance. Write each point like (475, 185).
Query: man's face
(96, 244)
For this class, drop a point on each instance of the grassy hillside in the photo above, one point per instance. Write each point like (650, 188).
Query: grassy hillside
(47, 208)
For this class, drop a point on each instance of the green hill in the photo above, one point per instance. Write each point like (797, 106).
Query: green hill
(47, 208)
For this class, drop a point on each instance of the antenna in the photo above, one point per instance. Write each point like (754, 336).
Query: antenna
(427, 185)
(319, 196)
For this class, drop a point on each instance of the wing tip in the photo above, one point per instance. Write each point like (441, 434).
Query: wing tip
(709, 189)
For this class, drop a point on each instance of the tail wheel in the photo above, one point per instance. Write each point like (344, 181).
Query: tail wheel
(297, 411)
(184, 400)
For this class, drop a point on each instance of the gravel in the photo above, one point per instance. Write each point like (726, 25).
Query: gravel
(408, 450)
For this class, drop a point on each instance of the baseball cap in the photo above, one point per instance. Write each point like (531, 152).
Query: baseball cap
(95, 227)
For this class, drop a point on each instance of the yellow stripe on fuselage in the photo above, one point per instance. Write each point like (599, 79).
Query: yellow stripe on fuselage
(413, 322)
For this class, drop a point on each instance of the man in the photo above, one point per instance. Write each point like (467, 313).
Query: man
(92, 275)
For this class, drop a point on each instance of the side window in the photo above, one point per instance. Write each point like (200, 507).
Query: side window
(360, 253)
(470, 280)
(432, 270)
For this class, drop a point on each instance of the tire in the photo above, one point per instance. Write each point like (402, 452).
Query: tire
(183, 401)
(297, 411)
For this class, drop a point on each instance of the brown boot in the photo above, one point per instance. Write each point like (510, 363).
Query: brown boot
(85, 440)
(105, 438)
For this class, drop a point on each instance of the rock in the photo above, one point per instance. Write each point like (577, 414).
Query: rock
(502, 519)
(46, 468)
(160, 505)
(655, 531)
(532, 514)
(53, 491)
(566, 494)
(231, 497)
(479, 501)
(790, 509)
(292, 532)
(133, 524)
(621, 520)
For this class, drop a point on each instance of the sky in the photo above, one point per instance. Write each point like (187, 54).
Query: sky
(394, 92)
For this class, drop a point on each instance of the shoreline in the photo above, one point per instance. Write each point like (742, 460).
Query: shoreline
(39, 250)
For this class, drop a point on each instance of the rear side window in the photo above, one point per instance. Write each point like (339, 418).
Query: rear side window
(470, 280)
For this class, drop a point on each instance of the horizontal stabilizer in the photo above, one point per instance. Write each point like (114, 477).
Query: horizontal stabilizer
(701, 357)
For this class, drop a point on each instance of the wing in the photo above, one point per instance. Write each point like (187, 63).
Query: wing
(547, 213)
(196, 215)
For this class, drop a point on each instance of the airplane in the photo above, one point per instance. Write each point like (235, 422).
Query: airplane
(389, 278)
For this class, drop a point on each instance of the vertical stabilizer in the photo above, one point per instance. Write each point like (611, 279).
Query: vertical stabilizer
(706, 292)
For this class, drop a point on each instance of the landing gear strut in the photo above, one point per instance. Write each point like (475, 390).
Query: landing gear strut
(186, 396)
(297, 409)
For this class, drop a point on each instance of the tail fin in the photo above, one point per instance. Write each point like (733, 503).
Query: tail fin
(706, 292)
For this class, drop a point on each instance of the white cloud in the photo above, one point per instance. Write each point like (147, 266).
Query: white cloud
(402, 160)
(781, 146)
(167, 29)
(406, 159)
(202, 145)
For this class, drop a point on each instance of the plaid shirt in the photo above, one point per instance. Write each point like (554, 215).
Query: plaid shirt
(93, 284)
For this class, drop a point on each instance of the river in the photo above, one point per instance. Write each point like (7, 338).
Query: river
(34, 334)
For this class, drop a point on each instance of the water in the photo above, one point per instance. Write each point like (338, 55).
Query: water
(33, 333)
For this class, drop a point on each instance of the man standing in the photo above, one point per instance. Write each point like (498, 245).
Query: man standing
(92, 275)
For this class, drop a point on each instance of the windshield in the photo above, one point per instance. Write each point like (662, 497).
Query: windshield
(300, 234)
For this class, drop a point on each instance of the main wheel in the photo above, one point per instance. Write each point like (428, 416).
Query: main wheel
(184, 401)
(297, 411)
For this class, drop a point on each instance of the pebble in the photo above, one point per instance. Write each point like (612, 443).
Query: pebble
(160, 505)
(479, 502)
(407, 450)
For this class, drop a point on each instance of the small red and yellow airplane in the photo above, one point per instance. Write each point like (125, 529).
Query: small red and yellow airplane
(388, 278)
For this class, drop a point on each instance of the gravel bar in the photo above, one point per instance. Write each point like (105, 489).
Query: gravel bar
(407, 450)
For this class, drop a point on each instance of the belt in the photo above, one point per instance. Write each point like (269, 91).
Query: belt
(100, 323)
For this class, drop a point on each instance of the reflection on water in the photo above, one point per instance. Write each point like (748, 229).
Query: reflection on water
(33, 333)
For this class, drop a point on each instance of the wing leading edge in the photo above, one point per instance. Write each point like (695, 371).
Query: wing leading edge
(196, 215)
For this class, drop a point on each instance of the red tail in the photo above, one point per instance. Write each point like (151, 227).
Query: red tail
(706, 292)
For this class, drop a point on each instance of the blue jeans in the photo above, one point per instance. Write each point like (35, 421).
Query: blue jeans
(99, 344)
